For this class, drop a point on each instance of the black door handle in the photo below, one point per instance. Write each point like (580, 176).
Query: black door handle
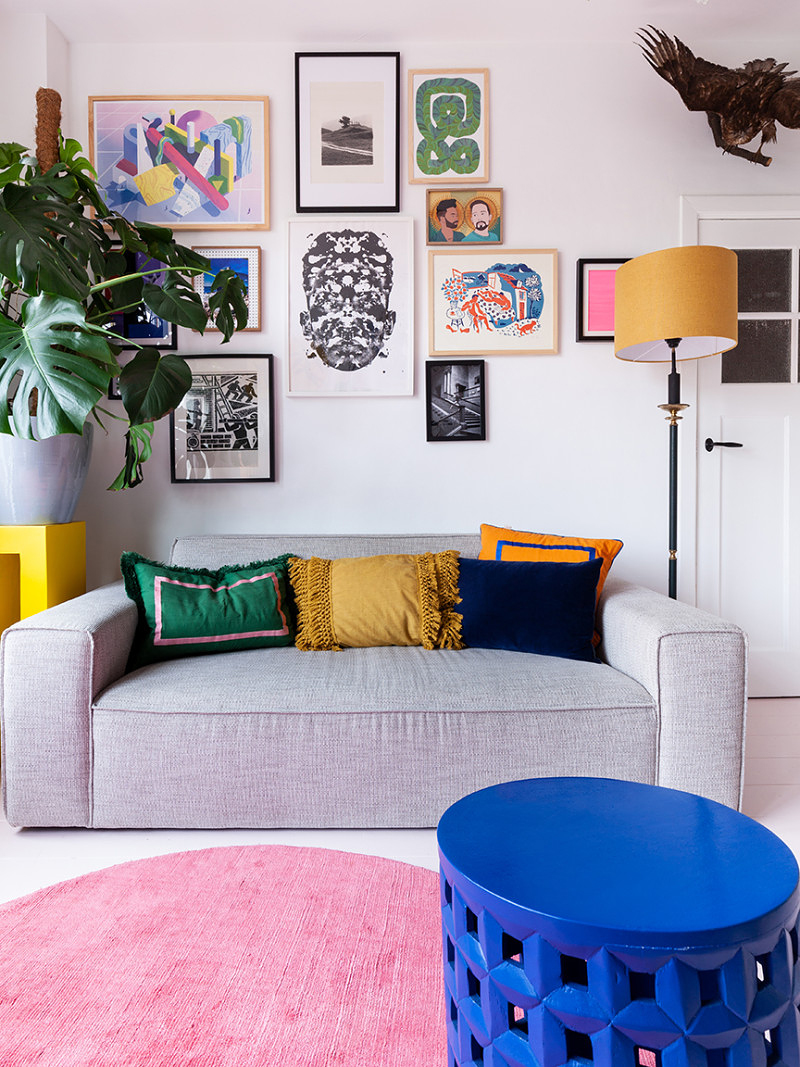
(711, 445)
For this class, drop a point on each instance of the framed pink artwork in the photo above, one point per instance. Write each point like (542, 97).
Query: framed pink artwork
(595, 299)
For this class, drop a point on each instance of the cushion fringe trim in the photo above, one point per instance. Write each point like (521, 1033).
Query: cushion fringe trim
(311, 581)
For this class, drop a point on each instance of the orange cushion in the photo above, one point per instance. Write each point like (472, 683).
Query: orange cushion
(497, 542)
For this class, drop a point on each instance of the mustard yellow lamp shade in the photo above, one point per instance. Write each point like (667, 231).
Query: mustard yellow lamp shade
(689, 293)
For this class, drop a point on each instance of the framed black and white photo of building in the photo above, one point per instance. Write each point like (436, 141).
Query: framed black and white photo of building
(455, 400)
(351, 327)
(347, 131)
(223, 429)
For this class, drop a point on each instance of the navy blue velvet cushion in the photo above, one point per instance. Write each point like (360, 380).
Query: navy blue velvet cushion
(546, 608)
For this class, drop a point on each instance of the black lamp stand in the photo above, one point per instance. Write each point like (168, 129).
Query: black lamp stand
(673, 407)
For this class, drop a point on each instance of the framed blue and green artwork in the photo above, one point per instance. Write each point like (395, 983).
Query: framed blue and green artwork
(246, 262)
(493, 302)
(448, 125)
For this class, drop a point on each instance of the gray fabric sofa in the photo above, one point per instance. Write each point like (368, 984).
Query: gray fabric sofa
(356, 738)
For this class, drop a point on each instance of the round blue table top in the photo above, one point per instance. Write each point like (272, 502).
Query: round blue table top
(621, 862)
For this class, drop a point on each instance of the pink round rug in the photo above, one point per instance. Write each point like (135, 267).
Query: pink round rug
(242, 956)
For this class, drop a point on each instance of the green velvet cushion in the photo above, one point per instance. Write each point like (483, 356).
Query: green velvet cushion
(193, 611)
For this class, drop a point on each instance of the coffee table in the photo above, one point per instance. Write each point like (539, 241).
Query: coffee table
(596, 921)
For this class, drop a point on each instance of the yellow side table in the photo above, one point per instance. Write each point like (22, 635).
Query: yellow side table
(40, 566)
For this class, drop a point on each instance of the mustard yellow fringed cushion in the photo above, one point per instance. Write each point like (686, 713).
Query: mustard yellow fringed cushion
(377, 600)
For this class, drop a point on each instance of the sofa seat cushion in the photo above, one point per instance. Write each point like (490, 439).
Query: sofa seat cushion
(372, 679)
(387, 736)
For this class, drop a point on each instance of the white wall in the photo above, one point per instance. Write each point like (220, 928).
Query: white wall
(593, 151)
(33, 53)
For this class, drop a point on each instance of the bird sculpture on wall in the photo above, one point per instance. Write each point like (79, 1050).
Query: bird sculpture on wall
(740, 103)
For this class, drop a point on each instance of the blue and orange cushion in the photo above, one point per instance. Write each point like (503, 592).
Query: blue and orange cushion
(502, 543)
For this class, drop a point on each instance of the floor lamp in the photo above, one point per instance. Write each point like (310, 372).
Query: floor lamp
(676, 304)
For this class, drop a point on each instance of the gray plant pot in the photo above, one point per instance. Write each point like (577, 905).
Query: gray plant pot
(40, 481)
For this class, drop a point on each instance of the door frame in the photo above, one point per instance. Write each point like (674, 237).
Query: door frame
(693, 210)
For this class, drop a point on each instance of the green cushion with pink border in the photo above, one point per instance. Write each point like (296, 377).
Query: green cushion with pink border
(194, 611)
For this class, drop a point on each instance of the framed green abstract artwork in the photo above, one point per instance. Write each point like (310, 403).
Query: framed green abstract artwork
(448, 112)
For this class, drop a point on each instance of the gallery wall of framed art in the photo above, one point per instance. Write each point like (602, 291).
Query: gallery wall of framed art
(203, 162)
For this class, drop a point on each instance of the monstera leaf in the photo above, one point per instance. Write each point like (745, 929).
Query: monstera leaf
(138, 449)
(151, 385)
(43, 243)
(226, 303)
(54, 350)
(177, 301)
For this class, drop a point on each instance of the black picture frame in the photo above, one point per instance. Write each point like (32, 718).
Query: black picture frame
(455, 399)
(365, 88)
(585, 297)
(140, 326)
(224, 428)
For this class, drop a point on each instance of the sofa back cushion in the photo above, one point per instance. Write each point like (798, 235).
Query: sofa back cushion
(216, 550)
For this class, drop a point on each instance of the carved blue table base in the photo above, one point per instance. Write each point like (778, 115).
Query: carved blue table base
(535, 989)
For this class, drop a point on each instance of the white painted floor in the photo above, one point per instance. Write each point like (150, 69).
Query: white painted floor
(31, 859)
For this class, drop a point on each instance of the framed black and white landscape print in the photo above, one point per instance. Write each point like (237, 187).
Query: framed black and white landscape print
(347, 131)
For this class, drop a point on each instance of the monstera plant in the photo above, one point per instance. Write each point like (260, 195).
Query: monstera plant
(64, 275)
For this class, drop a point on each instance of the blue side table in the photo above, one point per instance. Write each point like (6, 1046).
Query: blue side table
(588, 921)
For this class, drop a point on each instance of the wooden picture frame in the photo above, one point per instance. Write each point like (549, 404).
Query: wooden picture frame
(184, 161)
(224, 429)
(474, 216)
(448, 125)
(493, 301)
(455, 400)
(246, 262)
(368, 262)
(594, 316)
(347, 131)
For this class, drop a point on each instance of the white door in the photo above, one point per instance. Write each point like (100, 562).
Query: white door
(748, 497)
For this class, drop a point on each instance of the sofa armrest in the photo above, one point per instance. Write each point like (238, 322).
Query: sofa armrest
(695, 666)
(52, 665)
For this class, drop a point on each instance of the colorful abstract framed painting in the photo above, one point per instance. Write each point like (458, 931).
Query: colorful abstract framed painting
(351, 301)
(223, 429)
(471, 215)
(595, 299)
(246, 263)
(448, 126)
(347, 131)
(188, 162)
(493, 302)
(455, 400)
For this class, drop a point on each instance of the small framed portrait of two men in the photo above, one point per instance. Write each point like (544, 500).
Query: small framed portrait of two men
(471, 215)
(351, 327)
